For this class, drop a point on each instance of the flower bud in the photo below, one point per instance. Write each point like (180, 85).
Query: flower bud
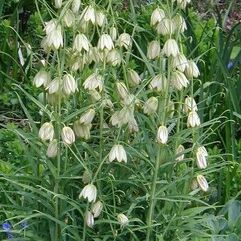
(122, 219)
(201, 156)
(67, 135)
(202, 182)
(58, 3)
(69, 18)
(153, 50)
(192, 69)
(170, 48)
(125, 40)
(159, 82)
(81, 42)
(179, 80)
(89, 219)
(157, 16)
(86, 178)
(52, 149)
(193, 119)
(179, 153)
(105, 42)
(75, 6)
(150, 106)
(97, 208)
(133, 78)
(89, 192)
(118, 153)
(46, 132)
(69, 84)
(87, 117)
(162, 135)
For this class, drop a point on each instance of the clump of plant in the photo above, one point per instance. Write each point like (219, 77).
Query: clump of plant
(122, 152)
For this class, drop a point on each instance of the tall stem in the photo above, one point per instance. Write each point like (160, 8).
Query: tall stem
(152, 196)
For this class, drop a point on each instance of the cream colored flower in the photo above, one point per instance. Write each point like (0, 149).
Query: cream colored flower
(125, 40)
(89, 192)
(69, 18)
(180, 62)
(100, 18)
(201, 156)
(202, 182)
(87, 117)
(162, 135)
(159, 82)
(69, 84)
(105, 42)
(157, 16)
(89, 219)
(179, 80)
(114, 57)
(122, 219)
(82, 130)
(180, 23)
(150, 106)
(96, 209)
(113, 33)
(67, 135)
(153, 50)
(133, 78)
(122, 90)
(165, 27)
(58, 3)
(52, 149)
(89, 14)
(54, 86)
(190, 104)
(46, 132)
(179, 153)
(193, 119)
(81, 42)
(42, 78)
(192, 69)
(170, 48)
(94, 82)
(75, 6)
(118, 153)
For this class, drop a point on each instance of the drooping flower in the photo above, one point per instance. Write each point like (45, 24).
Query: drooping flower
(46, 132)
(87, 117)
(81, 42)
(170, 48)
(193, 119)
(52, 149)
(69, 84)
(202, 182)
(153, 50)
(157, 16)
(89, 192)
(96, 209)
(67, 135)
(201, 156)
(125, 40)
(150, 106)
(162, 135)
(105, 42)
(122, 219)
(179, 153)
(89, 219)
(118, 153)
(133, 78)
(42, 78)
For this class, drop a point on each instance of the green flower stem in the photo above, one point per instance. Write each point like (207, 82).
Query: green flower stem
(152, 195)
